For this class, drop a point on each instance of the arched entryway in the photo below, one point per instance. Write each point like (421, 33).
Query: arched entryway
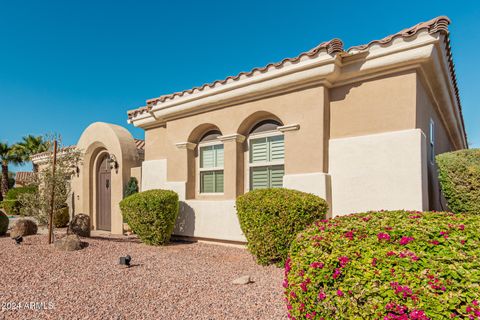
(104, 194)
(109, 153)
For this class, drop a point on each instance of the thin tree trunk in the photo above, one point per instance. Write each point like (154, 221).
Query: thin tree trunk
(4, 187)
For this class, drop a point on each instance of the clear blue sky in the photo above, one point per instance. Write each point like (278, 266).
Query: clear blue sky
(66, 64)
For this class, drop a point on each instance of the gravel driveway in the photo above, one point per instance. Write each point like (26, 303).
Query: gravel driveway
(180, 281)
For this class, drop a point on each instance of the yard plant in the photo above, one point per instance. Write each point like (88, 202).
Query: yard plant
(459, 175)
(151, 215)
(270, 219)
(386, 265)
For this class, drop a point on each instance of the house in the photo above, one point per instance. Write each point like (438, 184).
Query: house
(359, 127)
(23, 178)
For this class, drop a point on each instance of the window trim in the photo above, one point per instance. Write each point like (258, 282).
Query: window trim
(211, 169)
(253, 136)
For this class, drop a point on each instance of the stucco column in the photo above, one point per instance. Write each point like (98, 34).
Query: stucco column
(187, 150)
(233, 165)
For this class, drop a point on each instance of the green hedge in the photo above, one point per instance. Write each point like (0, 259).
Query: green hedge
(151, 215)
(4, 221)
(271, 218)
(459, 175)
(131, 187)
(386, 265)
(14, 193)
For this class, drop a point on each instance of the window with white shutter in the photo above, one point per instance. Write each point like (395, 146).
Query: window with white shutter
(267, 155)
(211, 167)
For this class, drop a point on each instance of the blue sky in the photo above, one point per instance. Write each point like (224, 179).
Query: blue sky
(66, 64)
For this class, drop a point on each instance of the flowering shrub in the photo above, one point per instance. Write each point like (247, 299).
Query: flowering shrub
(386, 265)
(271, 218)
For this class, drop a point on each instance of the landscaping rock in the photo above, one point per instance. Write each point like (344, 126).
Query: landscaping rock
(23, 227)
(69, 243)
(80, 225)
(243, 280)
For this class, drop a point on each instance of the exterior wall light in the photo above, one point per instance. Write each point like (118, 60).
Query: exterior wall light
(112, 161)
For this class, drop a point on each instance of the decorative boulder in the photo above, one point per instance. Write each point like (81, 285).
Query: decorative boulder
(80, 225)
(24, 227)
(69, 243)
(3, 223)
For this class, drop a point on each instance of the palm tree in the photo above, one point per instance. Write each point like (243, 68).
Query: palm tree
(8, 155)
(31, 145)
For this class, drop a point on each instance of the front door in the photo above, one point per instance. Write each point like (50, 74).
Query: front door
(104, 188)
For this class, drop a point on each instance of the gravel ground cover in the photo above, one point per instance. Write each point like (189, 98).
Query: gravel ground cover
(179, 281)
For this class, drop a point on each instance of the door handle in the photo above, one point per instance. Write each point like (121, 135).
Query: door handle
(107, 184)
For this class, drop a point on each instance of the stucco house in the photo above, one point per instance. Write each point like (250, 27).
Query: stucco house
(359, 127)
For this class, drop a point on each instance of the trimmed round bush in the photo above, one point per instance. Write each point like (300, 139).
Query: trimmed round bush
(386, 265)
(3, 223)
(151, 215)
(271, 218)
(459, 176)
(61, 218)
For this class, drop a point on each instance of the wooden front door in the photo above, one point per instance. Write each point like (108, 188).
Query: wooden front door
(104, 192)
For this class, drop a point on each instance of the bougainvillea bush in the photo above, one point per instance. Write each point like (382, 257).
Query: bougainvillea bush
(271, 218)
(386, 265)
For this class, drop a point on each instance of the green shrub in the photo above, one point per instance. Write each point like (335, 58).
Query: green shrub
(14, 193)
(11, 207)
(61, 217)
(271, 218)
(3, 223)
(459, 175)
(131, 187)
(386, 265)
(151, 215)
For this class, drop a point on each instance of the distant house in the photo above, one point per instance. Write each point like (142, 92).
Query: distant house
(23, 178)
(359, 127)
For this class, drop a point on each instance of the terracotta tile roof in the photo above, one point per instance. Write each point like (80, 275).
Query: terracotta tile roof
(24, 176)
(140, 144)
(332, 47)
(438, 24)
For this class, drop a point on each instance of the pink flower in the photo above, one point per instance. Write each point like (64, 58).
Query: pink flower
(321, 296)
(462, 241)
(285, 283)
(461, 227)
(435, 242)
(374, 262)
(383, 236)
(406, 240)
(316, 265)
(391, 253)
(339, 293)
(336, 273)
(349, 235)
(303, 285)
(475, 303)
(343, 261)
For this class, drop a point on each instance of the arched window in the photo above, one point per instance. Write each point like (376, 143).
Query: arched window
(211, 163)
(266, 155)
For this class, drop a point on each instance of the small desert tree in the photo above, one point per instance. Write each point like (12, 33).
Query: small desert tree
(38, 204)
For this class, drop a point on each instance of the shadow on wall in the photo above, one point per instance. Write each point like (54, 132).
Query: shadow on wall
(185, 224)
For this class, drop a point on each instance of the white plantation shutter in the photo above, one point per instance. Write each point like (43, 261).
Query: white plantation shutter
(207, 157)
(211, 157)
(218, 150)
(276, 148)
(259, 150)
(207, 182)
(218, 181)
(276, 174)
(268, 153)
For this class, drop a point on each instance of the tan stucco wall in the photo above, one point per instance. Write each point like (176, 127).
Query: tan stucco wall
(426, 109)
(306, 108)
(379, 105)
